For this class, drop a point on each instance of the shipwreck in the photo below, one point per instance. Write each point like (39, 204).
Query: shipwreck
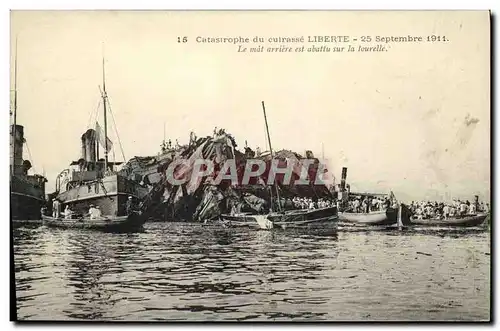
(205, 198)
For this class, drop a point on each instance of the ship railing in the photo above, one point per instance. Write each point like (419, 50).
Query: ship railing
(110, 173)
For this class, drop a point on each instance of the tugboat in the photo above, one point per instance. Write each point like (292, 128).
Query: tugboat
(27, 192)
(94, 182)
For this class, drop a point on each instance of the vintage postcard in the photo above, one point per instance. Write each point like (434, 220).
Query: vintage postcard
(250, 166)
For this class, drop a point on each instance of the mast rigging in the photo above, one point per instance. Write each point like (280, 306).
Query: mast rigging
(104, 97)
(272, 156)
(14, 127)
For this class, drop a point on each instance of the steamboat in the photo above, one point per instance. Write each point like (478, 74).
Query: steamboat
(91, 180)
(27, 192)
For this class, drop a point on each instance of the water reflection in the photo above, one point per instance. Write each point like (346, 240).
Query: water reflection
(86, 265)
(192, 272)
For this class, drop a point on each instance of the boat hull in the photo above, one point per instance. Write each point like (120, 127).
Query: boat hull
(26, 198)
(324, 218)
(108, 224)
(466, 221)
(27, 192)
(24, 207)
(317, 219)
(110, 195)
(385, 217)
(247, 221)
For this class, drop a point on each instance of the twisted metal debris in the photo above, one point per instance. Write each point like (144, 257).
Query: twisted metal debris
(203, 199)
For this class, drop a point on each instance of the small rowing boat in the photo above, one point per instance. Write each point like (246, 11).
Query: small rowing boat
(246, 221)
(384, 217)
(463, 221)
(321, 219)
(317, 219)
(107, 223)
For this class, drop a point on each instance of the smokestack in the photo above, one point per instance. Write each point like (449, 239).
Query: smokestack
(84, 152)
(343, 179)
(16, 148)
(88, 141)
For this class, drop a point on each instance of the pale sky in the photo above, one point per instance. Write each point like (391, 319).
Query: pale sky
(414, 119)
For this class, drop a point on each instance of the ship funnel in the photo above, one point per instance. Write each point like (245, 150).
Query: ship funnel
(89, 146)
(16, 148)
(84, 149)
(343, 179)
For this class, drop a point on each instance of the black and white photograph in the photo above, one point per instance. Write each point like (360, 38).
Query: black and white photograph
(250, 166)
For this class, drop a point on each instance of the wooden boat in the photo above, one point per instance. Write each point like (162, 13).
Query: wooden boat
(315, 219)
(320, 219)
(464, 221)
(384, 217)
(246, 221)
(109, 224)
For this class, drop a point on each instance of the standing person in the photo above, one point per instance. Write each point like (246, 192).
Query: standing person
(463, 208)
(98, 212)
(356, 205)
(446, 211)
(387, 203)
(472, 209)
(366, 206)
(56, 208)
(129, 206)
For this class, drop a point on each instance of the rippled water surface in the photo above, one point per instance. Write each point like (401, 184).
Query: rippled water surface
(175, 271)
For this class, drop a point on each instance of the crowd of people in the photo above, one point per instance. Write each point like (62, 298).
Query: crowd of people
(356, 204)
(93, 213)
(308, 203)
(366, 204)
(444, 210)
